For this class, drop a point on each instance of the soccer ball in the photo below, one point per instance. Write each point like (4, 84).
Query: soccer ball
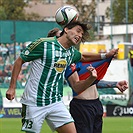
(65, 15)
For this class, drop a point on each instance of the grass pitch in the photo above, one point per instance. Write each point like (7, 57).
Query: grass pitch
(118, 125)
(110, 125)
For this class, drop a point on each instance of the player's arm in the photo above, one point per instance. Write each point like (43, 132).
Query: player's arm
(87, 56)
(106, 84)
(121, 85)
(10, 94)
(80, 85)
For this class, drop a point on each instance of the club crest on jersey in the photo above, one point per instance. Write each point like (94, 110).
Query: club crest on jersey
(26, 52)
(60, 65)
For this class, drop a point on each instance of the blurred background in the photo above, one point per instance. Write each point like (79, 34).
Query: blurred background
(23, 21)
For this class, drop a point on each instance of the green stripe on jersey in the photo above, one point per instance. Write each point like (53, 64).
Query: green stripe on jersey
(49, 62)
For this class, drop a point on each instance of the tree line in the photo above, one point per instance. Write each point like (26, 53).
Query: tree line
(119, 12)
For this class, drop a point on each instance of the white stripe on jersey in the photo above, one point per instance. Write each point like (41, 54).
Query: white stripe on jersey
(44, 56)
(53, 57)
(49, 73)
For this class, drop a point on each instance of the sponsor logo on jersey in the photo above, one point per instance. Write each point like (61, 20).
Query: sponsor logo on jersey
(60, 65)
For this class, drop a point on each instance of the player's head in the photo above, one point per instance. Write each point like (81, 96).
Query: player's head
(83, 26)
(54, 32)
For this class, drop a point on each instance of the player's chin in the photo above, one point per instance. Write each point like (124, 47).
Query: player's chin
(76, 43)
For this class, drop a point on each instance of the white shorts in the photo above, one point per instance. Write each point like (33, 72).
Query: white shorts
(55, 115)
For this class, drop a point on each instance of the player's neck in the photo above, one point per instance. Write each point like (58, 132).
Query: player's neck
(64, 42)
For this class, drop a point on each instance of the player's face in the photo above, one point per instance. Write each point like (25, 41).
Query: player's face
(75, 35)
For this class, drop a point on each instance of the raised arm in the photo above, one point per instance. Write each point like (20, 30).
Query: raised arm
(87, 56)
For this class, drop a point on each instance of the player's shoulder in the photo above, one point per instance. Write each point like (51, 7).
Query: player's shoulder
(48, 39)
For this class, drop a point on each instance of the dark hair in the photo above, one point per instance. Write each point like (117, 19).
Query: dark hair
(84, 26)
(53, 32)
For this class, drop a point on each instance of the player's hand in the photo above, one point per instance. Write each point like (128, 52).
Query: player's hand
(122, 85)
(10, 94)
(112, 52)
(92, 71)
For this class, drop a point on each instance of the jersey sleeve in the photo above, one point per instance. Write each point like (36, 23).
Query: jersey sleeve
(100, 66)
(33, 51)
(71, 69)
(77, 56)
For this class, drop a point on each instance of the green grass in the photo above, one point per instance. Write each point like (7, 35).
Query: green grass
(13, 125)
(111, 125)
(118, 125)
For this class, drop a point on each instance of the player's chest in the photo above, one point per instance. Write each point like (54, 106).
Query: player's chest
(57, 54)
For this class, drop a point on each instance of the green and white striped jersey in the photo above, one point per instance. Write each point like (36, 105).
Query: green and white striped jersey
(49, 61)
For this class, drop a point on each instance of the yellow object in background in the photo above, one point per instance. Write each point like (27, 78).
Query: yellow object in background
(101, 48)
(121, 53)
(95, 48)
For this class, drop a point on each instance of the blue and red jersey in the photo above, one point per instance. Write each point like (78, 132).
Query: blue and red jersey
(101, 67)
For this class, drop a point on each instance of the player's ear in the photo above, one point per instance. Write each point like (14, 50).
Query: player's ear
(65, 30)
